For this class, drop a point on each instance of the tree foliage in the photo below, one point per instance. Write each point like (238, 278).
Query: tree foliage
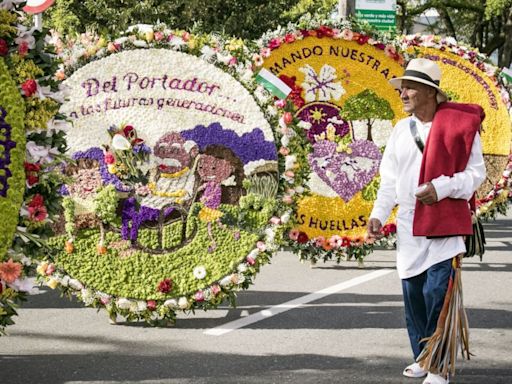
(483, 24)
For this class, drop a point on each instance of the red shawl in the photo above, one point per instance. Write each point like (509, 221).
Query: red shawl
(447, 152)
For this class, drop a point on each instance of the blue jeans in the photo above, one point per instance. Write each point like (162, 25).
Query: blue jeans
(423, 299)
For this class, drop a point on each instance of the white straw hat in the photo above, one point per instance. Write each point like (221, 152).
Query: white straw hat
(422, 71)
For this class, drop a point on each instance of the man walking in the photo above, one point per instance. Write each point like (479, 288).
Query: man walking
(431, 167)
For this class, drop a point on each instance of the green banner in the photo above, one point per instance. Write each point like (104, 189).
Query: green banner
(383, 20)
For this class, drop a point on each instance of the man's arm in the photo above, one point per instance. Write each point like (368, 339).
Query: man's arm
(386, 195)
(463, 184)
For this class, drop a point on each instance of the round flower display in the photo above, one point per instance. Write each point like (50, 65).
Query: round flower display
(468, 76)
(31, 148)
(171, 200)
(345, 107)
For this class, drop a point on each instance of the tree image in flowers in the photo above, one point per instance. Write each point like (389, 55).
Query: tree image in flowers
(369, 107)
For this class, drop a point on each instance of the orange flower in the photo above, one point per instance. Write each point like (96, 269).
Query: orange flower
(10, 271)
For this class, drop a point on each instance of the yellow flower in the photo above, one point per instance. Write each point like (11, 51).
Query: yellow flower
(234, 44)
(150, 36)
(52, 283)
(41, 268)
(112, 169)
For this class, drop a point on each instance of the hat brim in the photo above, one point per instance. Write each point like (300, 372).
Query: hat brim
(397, 84)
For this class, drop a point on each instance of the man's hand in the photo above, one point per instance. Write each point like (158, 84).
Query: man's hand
(427, 194)
(374, 227)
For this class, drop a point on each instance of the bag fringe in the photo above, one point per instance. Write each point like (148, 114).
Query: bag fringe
(440, 352)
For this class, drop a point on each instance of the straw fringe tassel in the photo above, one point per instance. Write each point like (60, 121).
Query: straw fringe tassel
(440, 352)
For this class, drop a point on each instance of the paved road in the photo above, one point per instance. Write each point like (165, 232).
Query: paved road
(338, 324)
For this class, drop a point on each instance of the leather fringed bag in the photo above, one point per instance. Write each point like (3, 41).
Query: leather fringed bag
(475, 243)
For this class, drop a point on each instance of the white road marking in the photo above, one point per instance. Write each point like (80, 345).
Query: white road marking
(295, 303)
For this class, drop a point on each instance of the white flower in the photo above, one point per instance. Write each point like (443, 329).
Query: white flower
(242, 268)
(450, 41)
(321, 86)
(87, 296)
(134, 307)
(183, 302)
(123, 303)
(140, 43)
(171, 303)
(65, 281)
(120, 143)
(177, 42)
(25, 36)
(24, 285)
(141, 305)
(226, 281)
(58, 125)
(304, 124)
(254, 253)
(290, 161)
(208, 54)
(121, 40)
(285, 141)
(75, 284)
(199, 272)
(271, 110)
(286, 217)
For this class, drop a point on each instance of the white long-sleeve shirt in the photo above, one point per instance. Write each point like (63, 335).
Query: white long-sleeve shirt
(399, 171)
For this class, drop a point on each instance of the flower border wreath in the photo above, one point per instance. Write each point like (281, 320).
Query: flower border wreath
(232, 56)
(31, 65)
(497, 200)
(319, 248)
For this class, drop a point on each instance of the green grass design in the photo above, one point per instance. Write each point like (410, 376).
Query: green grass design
(137, 276)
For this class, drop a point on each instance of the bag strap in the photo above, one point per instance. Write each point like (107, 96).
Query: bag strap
(415, 135)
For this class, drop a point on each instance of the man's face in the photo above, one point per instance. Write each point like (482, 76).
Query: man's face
(414, 95)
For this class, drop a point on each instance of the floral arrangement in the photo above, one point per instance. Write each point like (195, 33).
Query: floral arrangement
(463, 66)
(331, 109)
(209, 208)
(33, 147)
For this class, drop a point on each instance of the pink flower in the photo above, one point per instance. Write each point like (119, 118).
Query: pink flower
(10, 271)
(109, 158)
(159, 35)
(289, 174)
(287, 199)
(293, 234)
(199, 296)
(347, 34)
(29, 87)
(151, 305)
(232, 61)
(185, 36)
(50, 269)
(104, 300)
(280, 103)
(289, 38)
(265, 52)
(215, 289)
(335, 241)
(250, 260)
(38, 213)
(284, 151)
(319, 241)
(275, 43)
(261, 246)
(275, 220)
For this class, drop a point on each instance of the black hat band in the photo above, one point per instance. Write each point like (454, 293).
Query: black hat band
(421, 75)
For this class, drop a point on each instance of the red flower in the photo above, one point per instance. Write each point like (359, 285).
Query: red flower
(380, 46)
(304, 32)
(29, 87)
(32, 167)
(23, 48)
(37, 201)
(303, 238)
(32, 180)
(389, 229)
(151, 304)
(165, 286)
(362, 39)
(10, 271)
(324, 31)
(37, 213)
(289, 38)
(4, 47)
(345, 242)
(274, 43)
(109, 158)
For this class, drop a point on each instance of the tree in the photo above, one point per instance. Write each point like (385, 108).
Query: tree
(483, 24)
(242, 18)
(366, 105)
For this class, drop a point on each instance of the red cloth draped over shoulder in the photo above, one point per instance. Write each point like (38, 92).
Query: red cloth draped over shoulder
(447, 152)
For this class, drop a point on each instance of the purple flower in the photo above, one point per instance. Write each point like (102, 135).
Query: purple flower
(249, 147)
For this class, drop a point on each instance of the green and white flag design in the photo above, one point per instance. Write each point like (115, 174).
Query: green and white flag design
(272, 83)
(507, 75)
